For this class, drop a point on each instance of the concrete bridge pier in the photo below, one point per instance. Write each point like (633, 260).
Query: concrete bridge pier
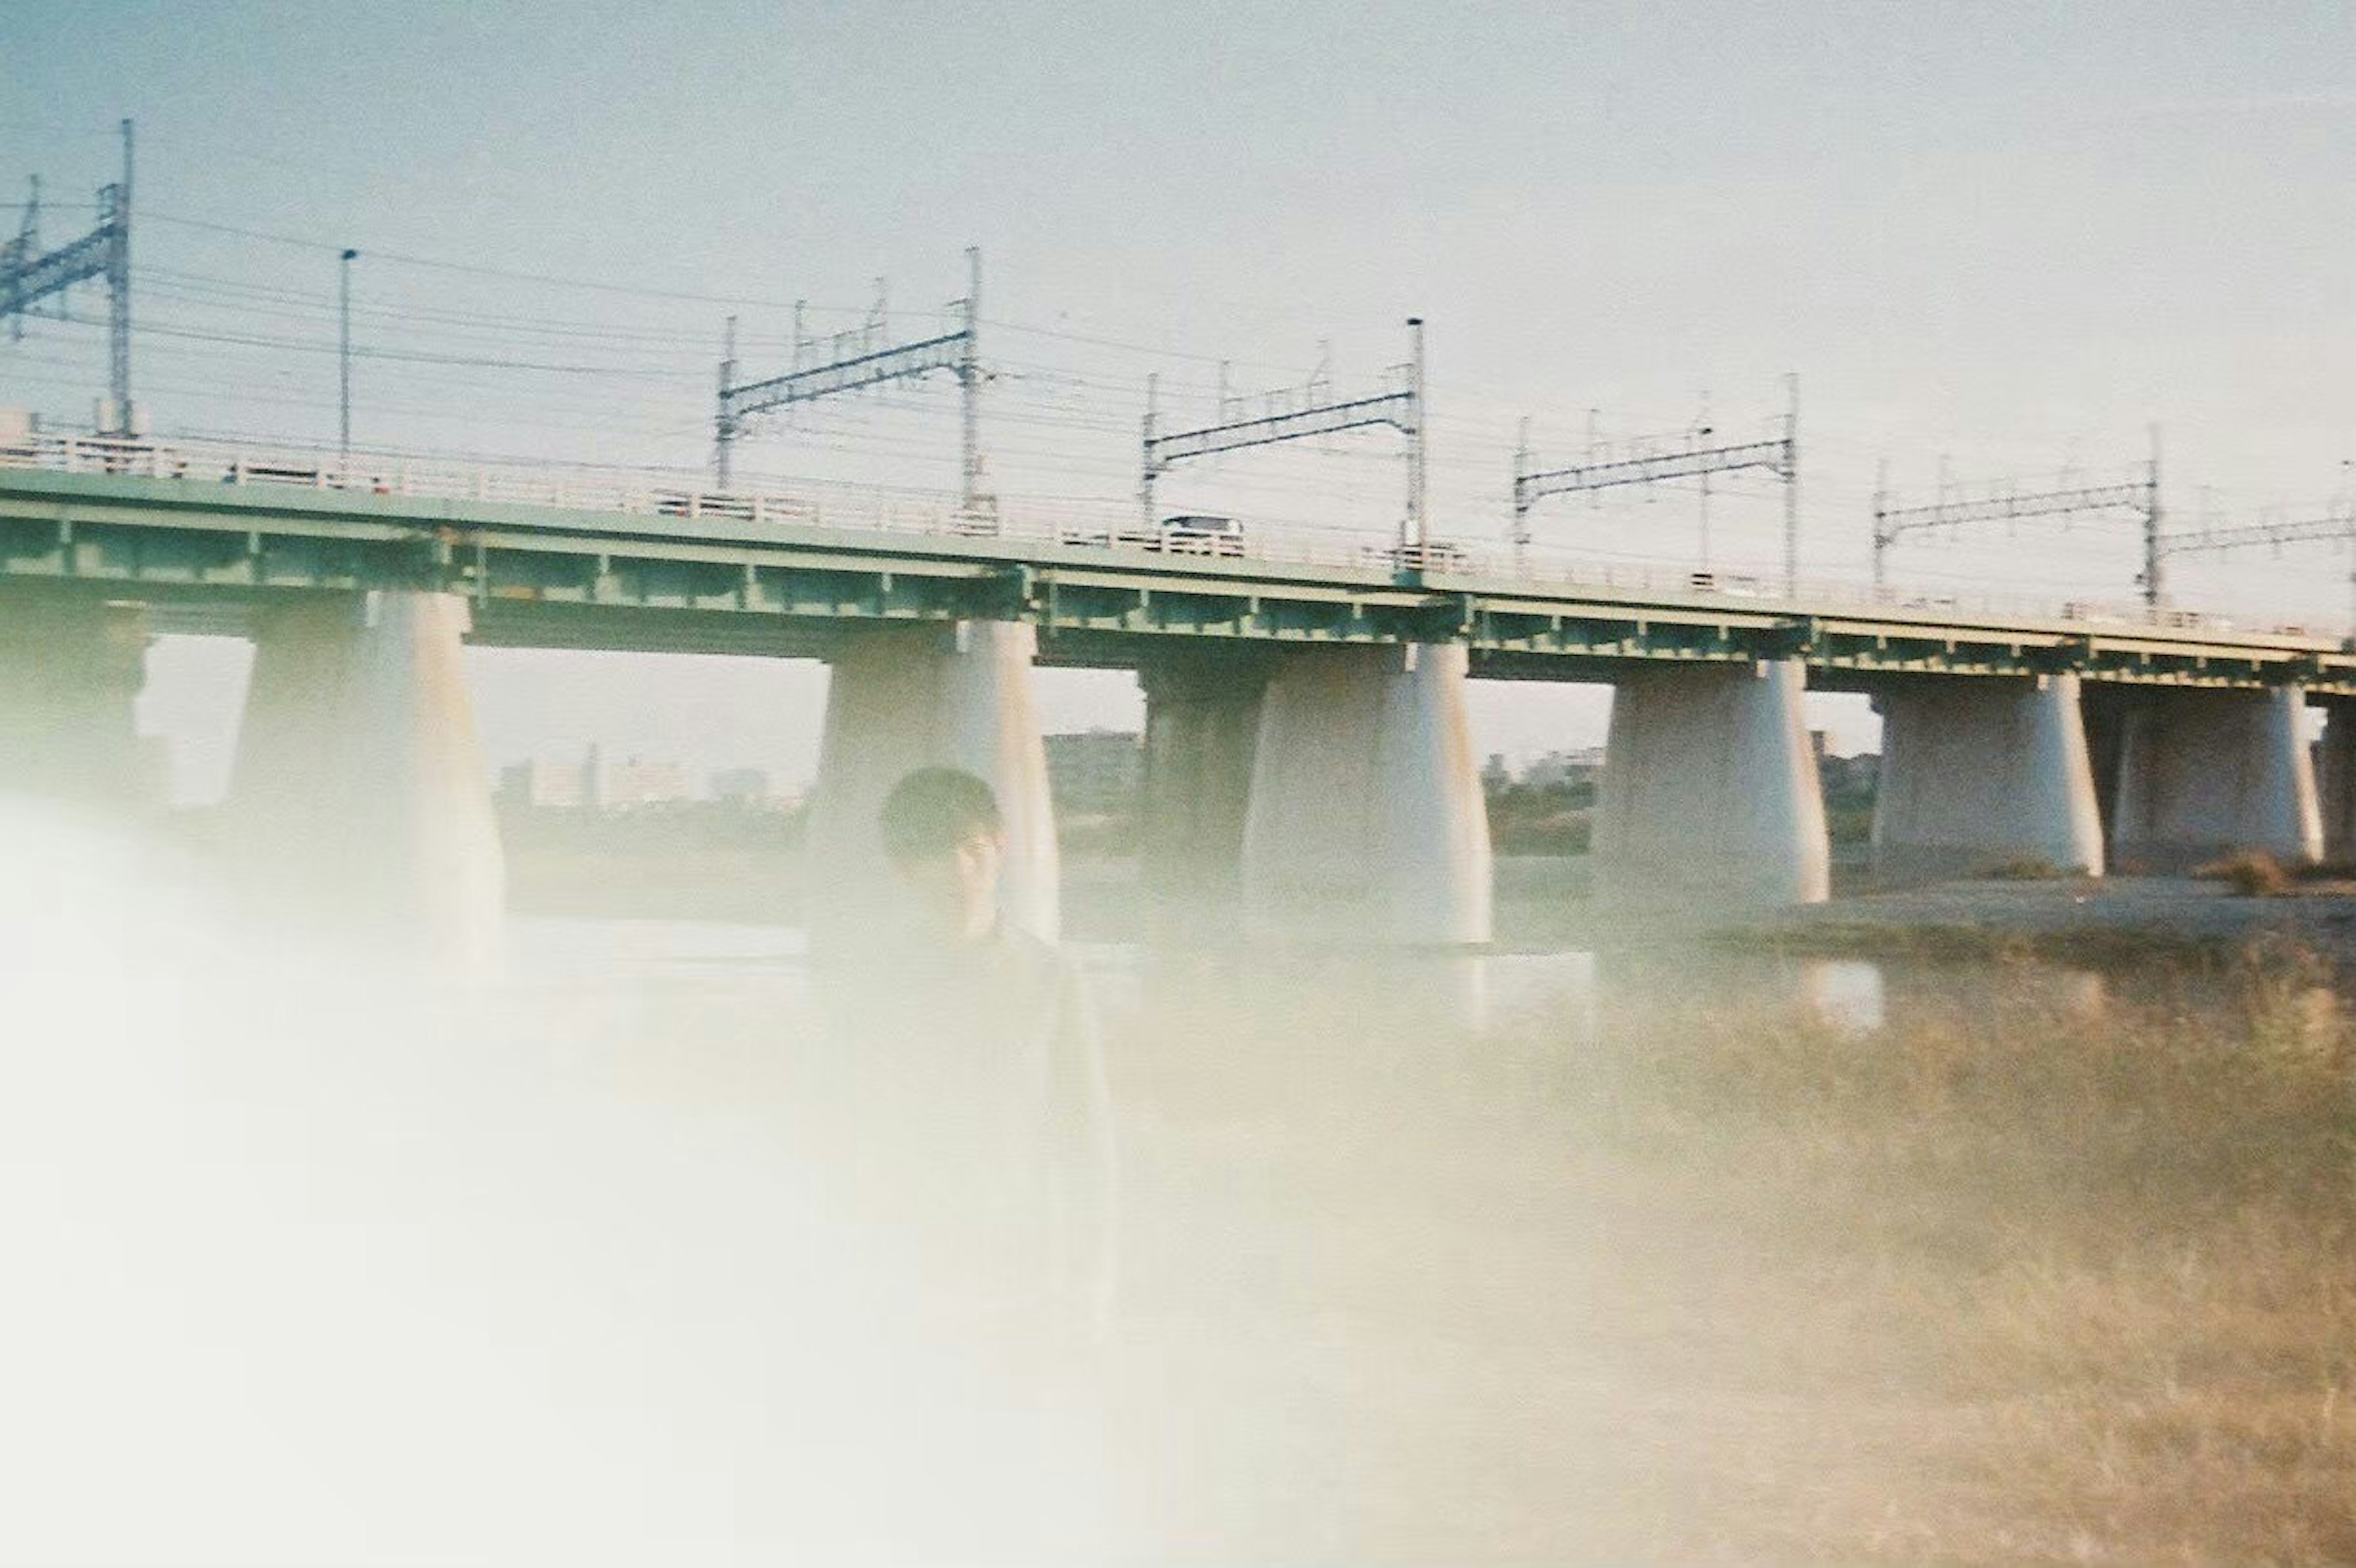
(1976, 773)
(913, 696)
(1202, 732)
(1709, 798)
(2336, 784)
(70, 671)
(360, 802)
(1366, 823)
(2207, 774)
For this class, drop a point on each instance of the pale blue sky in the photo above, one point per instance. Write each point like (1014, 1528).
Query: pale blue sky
(2013, 235)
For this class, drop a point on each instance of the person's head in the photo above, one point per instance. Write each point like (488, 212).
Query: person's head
(946, 840)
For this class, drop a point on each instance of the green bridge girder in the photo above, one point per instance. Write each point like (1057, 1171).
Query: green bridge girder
(548, 576)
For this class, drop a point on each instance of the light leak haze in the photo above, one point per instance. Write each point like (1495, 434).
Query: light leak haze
(2004, 238)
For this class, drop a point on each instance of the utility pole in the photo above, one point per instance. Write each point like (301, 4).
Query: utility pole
(969, 374)
(1415, 529)
(724, 423)
(344, 361)
(1521, 471)
(2155, 588)
(118, 292)
(1792, 487)
(1701, 437)
(1881, 510)
(18, 254)
(1152, 429)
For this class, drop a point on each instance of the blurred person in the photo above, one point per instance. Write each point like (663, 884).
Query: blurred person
(974, 1134)
(986, 1148)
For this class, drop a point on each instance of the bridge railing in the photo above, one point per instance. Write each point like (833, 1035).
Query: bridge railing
(1070, 523)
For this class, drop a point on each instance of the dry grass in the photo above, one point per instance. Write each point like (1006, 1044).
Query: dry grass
(2010, 1283)
(2252, 874)
(2029, 869)
(2110, 1265)
(2135, 950)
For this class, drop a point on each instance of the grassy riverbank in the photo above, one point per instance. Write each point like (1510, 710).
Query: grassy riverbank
(1541, 902)
(1665, 1269)
(2019, 1279)
(2020, 1284)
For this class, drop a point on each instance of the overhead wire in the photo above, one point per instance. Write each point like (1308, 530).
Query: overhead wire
(481, 353)
(477, 268)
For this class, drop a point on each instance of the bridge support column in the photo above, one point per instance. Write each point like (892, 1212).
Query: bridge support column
(1202, 730)
(2336, 785)
(902, 698)
(1976, 773)
(359, 801)
(1709, 796)
(1365, 823)
(2205, 774)
(71, 670)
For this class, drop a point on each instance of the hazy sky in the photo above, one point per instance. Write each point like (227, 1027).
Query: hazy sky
(2012, 236)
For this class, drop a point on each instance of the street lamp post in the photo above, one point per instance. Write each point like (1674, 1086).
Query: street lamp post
(344, 361)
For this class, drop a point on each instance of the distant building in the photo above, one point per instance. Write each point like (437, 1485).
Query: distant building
(1494, 775)
(635, 782)
(1098, 772)
(1557, 769)
(752, 788)
(542, 784)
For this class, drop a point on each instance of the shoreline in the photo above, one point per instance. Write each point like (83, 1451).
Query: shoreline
(1542, 906)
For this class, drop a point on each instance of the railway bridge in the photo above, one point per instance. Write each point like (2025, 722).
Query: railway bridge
(1308, 774)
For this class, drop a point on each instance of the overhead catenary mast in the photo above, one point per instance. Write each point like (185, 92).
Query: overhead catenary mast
(1295, 416)
(2336, 525)
(118, 293)
(23, 248)
(1698, 454)
(29, 275)
(865, 356)
(2138, 497)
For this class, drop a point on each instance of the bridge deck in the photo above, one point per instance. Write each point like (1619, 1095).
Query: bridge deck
(563, 562)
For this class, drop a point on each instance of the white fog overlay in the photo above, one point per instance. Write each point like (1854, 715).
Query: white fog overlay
(1409, 1065)
(387, 1269)
(324, 1258)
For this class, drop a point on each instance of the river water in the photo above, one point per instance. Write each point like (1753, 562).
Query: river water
(1461, 992)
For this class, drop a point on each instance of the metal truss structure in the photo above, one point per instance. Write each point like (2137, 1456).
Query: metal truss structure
(2138, 498)
(1656, 461)
(29, 275)
(1401, 408)
(863, 358)
(2336, 526)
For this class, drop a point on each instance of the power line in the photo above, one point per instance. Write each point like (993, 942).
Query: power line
(475, 269)
(686, 296)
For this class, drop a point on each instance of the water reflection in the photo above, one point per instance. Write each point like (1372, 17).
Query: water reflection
(1574, 994)
(1335, 992)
